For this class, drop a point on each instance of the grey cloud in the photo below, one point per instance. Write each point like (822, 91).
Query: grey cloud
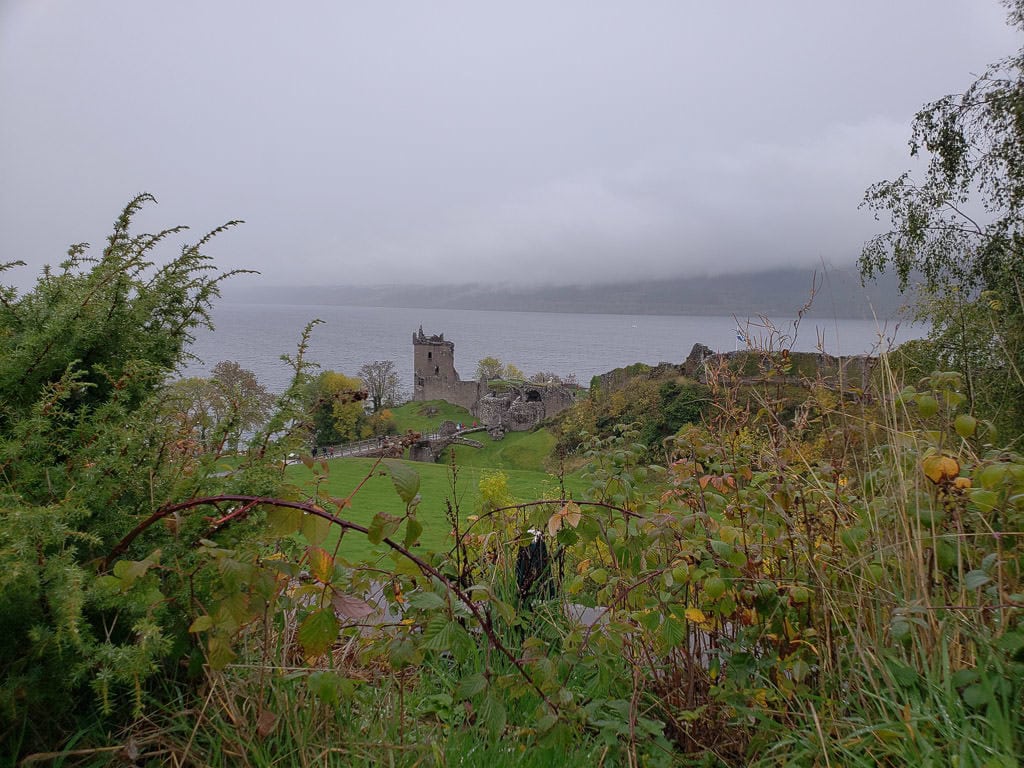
(554, 142)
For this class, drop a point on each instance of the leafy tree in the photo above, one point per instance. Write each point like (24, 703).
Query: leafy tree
(335, 403)
(492, 368)
(961, 227)
(546, 377)
(242, 404)
(381, 382)
(489, 368)
(217, 412)
(188, 405)
(511, 371)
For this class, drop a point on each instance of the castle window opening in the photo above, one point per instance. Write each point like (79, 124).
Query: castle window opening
(430, 355)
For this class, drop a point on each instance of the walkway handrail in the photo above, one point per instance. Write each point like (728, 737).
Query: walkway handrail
(373, 443)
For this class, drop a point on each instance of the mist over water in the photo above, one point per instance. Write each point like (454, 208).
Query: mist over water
(255, 336)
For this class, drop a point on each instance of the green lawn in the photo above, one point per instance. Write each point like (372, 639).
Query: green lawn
(378, 494)
(517, 450)
(414, 415)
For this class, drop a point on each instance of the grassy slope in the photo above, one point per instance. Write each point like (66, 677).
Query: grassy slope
(412, 416)
(522, 456)
(518, 450)
(378, 494)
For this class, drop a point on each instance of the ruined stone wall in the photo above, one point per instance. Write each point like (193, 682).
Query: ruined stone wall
(523, 407)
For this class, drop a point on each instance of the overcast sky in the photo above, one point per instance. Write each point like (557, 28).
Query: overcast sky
(556, 142)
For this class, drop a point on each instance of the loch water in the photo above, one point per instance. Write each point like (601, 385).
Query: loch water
(257, 335)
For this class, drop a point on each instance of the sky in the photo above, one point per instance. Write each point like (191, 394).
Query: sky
(435, 142)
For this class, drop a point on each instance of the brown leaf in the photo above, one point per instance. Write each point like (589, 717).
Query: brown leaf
(265, 723)
(571, 513)
(350, 607)
(554, 523)
(704, 480)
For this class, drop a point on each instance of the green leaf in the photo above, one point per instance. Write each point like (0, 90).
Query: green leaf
(975, 579)
(201, 624)
(382, 526)
(330, 687)
(800, 669)
(992, 476)
(900, 629)
(219, 652)
(470, 686)
(492, 715)
(413, 529)
(284, 522)
(405, 478)
(130, 570)
(318, 631)
(673, 632)
(965, 425)
(984, 500)
(599, 575)
(427, 601)
(315, 529)
(722, 549)
(976, 696)
(964, 677)
(715, 587)
(927, 406)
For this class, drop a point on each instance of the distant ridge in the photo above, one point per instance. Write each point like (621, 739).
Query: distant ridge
(770, 292)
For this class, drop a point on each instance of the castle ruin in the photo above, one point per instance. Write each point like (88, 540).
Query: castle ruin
(434, 374)
(521, 406)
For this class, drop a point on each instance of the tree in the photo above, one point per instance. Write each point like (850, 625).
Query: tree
(511, 371)
(335, 404)
(961, 228)
(492, 368)
(217, 412)
(242, 403)
(188, 407)
(381, 381)
(546, 377)
(489, 368)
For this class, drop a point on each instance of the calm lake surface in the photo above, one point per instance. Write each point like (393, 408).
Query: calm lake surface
(255, 336)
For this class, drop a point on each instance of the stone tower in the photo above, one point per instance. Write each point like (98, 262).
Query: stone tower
(434, 374)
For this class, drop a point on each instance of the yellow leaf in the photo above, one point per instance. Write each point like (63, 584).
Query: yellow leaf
(938, 468)
(695, 615)
(321, 564)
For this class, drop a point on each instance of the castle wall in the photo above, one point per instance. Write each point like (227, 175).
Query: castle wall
(523, 408)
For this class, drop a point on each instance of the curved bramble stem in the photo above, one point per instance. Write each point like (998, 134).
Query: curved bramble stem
(251, 502)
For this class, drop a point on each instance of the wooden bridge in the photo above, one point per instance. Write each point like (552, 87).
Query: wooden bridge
(424, 448)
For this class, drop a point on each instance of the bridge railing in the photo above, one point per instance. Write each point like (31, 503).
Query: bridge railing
(360, 447)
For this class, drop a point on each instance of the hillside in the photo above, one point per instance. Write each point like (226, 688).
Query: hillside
(768, 292)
